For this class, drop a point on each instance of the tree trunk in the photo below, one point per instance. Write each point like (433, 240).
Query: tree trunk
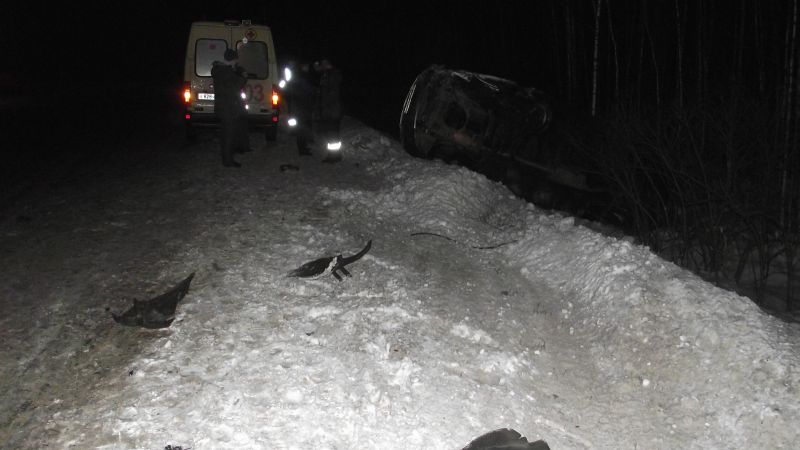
(788, 122)
(762, 84)
(616, 52)
(679, 50)
(570, 43)
(640, 59)
(738, 64)
(792, 166)
(597, 7)
(655, 63)
(559, 80)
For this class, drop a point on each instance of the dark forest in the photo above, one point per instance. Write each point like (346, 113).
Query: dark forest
(688, 109)
(694, 113)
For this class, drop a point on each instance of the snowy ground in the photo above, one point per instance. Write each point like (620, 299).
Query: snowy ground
(562, 333)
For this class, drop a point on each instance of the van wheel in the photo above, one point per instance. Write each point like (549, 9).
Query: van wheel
(271, 134)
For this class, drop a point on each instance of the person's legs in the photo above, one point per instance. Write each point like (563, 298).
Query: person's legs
(333, 139)
(227, 141)
(337, 126)
(302, 143)
(304, 133)
(242, 135)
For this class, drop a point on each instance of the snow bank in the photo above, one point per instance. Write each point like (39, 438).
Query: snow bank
(693, 352)
(719, 371)
(437, 198)
(562, 333)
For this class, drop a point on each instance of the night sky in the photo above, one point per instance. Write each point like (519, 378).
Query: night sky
(380, 48)
(386, 38)
(653, 53)
(382, 45)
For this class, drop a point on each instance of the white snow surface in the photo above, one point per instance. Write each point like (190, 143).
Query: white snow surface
(560, 332)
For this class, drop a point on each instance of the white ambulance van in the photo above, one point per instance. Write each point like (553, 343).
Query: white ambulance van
(207, 43)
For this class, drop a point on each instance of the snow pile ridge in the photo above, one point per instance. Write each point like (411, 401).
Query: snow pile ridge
(647, 320)
(368, 144)
(433, 197)
(562, 334)
(452, 202)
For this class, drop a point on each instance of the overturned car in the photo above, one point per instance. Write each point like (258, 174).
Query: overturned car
(486, 121)
(469, 115)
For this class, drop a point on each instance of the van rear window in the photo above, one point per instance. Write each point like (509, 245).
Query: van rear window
(254, 57)
(206, 52)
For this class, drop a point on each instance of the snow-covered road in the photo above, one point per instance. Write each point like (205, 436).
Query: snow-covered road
(562, 333)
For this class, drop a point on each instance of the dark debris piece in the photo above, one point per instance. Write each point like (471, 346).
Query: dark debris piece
(158, 312)
(505, 439)
(289, 167)
(329, 265)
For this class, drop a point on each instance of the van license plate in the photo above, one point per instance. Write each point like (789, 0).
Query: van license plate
(204, 96)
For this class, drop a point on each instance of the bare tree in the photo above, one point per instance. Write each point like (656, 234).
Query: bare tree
(614, 47)
(571, 51)
(762, 85)
(679, 50)
(597, 8)
(654, 58)
(789, 186)
(701, 52)
(788, 110)
(557, 44)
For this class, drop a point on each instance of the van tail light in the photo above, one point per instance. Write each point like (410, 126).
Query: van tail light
(187, 93)
(275, 97)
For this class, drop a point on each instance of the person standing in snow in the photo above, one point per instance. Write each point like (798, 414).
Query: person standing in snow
(303, 90)
(330, 109)
(229, 80)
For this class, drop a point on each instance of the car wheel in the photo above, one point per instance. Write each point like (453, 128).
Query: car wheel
(407, 137)
(271, 133)
(409, 117)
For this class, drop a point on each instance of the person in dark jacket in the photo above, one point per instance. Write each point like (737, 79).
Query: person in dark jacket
(330, 109)
(229, 80)
(303, 91)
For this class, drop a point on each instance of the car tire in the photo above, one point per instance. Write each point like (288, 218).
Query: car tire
(408, 119)
(407, 137)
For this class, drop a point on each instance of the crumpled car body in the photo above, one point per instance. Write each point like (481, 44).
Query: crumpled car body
(509, 133)
(471, 116)
(482, 120)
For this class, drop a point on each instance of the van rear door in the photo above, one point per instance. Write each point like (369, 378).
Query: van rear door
(254, 58)
(207, 50)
